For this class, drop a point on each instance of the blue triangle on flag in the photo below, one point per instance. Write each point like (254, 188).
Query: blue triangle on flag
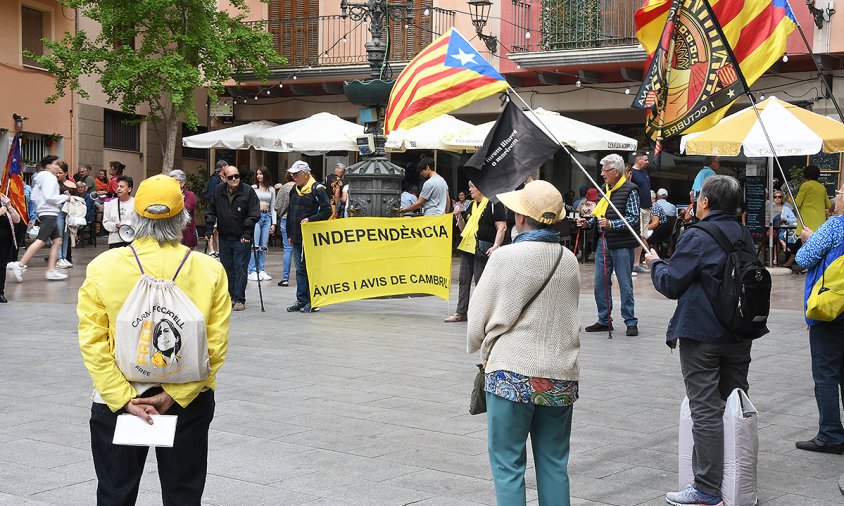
(461, 54)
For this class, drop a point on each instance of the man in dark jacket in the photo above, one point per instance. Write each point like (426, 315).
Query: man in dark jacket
(234, 209)
(713, 359)
(308, 202)
(615, 245)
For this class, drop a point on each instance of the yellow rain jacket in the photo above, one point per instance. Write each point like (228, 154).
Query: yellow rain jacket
(109, 280)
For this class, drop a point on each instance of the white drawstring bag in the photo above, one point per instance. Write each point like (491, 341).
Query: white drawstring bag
(160, 334)
(741, 449)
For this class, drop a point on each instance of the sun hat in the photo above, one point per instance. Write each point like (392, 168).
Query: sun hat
(299, 166)
(539, 200)
(159, 190)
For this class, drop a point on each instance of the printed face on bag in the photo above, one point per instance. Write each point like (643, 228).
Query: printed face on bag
(167, 340)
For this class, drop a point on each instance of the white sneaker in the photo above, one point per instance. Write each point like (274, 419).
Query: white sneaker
(264, 276)
(63, 264)
(9, 266)
(55, 275)
(17, 270)
(253, 276)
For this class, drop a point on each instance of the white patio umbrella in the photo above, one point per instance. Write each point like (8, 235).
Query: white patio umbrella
(227, 138)
(469, 139)
(316, 135)
(428, 135)
(577, 135)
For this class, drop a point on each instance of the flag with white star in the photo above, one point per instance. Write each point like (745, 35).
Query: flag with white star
(447, 75)
(11, 181)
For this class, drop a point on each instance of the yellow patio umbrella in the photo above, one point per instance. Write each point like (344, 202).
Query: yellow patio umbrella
(794, 132)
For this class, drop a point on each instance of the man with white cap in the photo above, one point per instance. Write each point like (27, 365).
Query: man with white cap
(110, 285)
(524, 320)
(662, 201)
(308, 202)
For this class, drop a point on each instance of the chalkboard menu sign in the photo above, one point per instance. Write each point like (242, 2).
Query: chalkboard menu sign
(754, 202)
(831, 180)
(826, 161)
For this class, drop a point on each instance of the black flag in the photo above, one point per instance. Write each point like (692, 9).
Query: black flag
(513, 149)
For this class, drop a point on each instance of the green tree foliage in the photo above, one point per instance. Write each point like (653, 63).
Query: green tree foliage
(157, 53)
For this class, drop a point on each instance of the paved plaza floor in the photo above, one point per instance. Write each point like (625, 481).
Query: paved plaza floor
(366, 403)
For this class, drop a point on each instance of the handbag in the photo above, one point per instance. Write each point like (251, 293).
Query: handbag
(826, 299)
(477, 402)
(482, 248)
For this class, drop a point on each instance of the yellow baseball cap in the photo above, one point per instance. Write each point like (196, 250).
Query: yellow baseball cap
(159, 197)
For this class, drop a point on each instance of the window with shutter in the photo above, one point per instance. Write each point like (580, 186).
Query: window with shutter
(294, 25)
(32, 31)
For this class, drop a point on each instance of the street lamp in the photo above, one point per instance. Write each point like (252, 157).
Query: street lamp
(374, 182)
(18, 122)
(479, 12)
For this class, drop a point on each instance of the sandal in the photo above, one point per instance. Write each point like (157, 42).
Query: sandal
(283, 282)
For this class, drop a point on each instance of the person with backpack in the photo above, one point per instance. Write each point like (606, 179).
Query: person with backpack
(308, 202)
(153, 332)
(714, 335)
(822, 254)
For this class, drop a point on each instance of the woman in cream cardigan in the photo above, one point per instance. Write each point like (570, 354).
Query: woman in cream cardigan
(530, 353)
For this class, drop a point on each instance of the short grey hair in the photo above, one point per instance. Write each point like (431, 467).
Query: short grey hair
(164, 229)
(613, 162)
(178, 175)
(723, 193)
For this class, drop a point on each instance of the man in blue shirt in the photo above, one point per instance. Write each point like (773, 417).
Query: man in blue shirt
(668, 208)
(643, 182)
(710, 165)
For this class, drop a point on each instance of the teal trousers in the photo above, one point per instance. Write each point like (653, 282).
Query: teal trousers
(508, 426)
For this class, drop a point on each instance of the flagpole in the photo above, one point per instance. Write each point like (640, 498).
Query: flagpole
(585, 172)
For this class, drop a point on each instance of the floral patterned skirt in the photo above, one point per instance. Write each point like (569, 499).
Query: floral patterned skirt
(540, 391)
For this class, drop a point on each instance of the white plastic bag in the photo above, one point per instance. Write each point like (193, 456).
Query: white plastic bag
(741, 449)
(160, 334)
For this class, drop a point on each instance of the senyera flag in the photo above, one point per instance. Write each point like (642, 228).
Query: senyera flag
(696, 70)
(12, 181)
(447, 75)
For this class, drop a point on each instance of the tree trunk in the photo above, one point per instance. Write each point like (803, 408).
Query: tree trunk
(172, 125)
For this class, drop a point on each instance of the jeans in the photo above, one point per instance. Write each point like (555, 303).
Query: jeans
(711, 371)
(61, 218)
(261, 238)
(826, 343)
(288, 250)
(508, 426)
(234, 255)
(471, 267)
(619, 260)
(181, 469)
(303, 293)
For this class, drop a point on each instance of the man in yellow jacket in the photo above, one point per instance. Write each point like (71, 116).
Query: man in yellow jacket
(110, 279)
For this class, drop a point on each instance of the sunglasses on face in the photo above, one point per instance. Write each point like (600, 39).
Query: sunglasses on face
(233, 177)
(777, 196)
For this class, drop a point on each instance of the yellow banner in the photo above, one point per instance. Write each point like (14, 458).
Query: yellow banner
(361, 258)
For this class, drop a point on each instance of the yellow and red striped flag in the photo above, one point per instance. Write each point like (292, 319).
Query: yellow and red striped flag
(11, 184)
(447, 75)
(698, 82)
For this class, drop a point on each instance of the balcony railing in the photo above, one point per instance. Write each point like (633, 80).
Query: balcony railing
(335, 40)
(572, 24)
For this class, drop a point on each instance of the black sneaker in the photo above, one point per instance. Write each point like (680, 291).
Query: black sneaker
(632, 330)
(813, 445)
(296, 307)
(598, 327)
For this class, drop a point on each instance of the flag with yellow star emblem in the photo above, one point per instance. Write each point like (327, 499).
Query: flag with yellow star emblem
(447, 75)
(706, 57)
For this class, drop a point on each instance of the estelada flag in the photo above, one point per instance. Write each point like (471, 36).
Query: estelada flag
(511, 151)
(12, 180)
(447, 75)
(690, 84)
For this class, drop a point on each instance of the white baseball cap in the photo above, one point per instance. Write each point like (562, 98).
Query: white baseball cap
(662, 192)
(299, 166)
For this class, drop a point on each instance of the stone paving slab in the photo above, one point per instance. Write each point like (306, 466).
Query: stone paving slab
(365, 403)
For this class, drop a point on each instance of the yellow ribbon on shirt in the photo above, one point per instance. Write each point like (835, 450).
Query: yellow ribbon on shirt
(469, 243)
(604, 204)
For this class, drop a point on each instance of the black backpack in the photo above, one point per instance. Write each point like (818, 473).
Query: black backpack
(743, 299)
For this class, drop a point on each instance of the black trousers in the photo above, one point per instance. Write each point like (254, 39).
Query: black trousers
(471, 267)
(7, 253)
(181, 469)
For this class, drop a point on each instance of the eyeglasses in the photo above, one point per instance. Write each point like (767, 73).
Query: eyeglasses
(839, 192)
(233, 177)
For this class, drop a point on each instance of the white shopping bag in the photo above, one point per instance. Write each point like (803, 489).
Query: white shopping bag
(741, 449)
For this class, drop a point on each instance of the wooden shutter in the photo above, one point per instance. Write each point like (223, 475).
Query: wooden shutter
(295, 28)
(32, 30)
